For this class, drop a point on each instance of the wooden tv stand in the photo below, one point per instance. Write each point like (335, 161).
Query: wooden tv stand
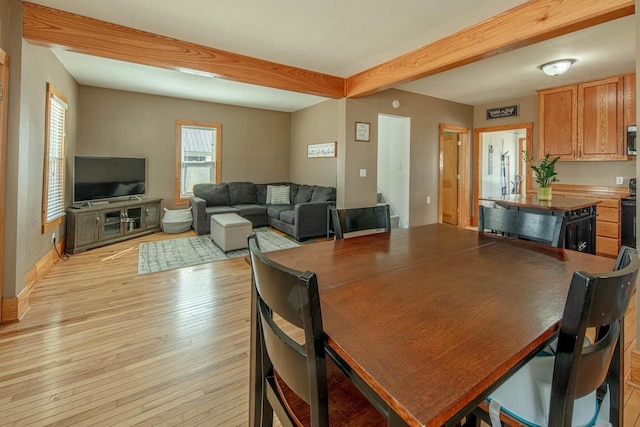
(102, 224)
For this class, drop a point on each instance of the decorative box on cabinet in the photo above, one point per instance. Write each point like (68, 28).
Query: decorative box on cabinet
(94, 226)
(583, 122)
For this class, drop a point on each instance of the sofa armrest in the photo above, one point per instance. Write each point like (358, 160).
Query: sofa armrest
(198, 207)
(311, 219)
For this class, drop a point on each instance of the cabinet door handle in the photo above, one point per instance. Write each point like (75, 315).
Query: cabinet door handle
(97, 220)
(146, 211)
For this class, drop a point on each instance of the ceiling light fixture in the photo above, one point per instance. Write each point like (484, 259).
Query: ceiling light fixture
(555, 68)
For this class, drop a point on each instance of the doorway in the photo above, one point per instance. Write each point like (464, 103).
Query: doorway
(500, 169)
(394, 158)
(453, 176)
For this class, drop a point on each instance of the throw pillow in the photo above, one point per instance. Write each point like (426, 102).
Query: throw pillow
(277, 194)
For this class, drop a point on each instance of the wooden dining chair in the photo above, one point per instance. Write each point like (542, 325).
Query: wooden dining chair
(360, 219)
(571, 382)
(548, 229)
(301, 385)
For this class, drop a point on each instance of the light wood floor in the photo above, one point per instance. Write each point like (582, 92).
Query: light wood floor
(104, 346)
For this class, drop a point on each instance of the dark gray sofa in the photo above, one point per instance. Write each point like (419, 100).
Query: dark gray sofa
(305, 216)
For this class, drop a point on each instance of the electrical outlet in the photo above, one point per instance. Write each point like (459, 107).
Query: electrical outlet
(619, 180)
(428, 200)
(53, 238)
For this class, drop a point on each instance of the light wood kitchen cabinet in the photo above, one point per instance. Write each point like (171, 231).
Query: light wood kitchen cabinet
(600, 117)
(557, 111)
(583, 122)
(629, 100)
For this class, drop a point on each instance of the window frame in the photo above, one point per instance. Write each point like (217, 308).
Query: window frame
(48, 224)
(217, 172)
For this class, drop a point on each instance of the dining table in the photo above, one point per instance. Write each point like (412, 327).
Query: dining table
(428, 320)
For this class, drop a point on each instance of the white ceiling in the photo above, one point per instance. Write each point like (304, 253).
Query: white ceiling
(339, 38)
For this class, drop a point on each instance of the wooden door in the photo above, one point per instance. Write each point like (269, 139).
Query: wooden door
(557, 118)
(600, 117)
(450, 178)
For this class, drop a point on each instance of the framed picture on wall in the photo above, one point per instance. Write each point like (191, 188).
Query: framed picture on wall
(362, 131)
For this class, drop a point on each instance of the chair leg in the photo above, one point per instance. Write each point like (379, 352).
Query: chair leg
(471, 421)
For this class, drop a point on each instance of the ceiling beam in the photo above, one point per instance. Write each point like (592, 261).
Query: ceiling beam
(48, 27)
(532, 22)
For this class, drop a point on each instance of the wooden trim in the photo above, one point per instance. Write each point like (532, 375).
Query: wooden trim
(530, 23)
(178, 161)
(49, 27)
(14, 308)
(4, 110)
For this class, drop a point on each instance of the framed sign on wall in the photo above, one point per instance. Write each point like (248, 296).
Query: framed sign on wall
(362, 131)
(325, 149)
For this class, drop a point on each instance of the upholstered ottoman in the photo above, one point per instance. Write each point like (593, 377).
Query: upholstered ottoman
(229, 231)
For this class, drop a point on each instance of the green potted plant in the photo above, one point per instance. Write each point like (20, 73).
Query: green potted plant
(545, 173)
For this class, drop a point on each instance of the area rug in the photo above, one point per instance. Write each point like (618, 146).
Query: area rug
(187, 251)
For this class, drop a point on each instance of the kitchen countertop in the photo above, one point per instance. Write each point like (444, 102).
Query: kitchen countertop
(558, 203)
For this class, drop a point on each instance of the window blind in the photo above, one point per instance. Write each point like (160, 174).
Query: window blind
(55, 172)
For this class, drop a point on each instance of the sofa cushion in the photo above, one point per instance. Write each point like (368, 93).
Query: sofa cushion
(293, 191)
(274, 210)
(287, 216)
(278, 195)
(214, 210)
(323, 194)
(213, 194)
(241, 193)
(304, 193)
(261, 194)
(250, 210)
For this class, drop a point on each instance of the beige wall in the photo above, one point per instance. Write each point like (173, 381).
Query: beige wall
(426, 114)
(31, 68)
(584, 173)
(313, 125)
(255, 143)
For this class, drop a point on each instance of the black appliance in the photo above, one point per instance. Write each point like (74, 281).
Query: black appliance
(631, 140)
(628, 227)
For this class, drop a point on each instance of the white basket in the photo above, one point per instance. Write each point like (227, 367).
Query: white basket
(177, 220)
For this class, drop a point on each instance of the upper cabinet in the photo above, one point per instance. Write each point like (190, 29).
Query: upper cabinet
(629, 100)
(557, 119)
(585, 121)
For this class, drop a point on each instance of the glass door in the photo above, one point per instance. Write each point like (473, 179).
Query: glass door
(111, 224)
(133, 219)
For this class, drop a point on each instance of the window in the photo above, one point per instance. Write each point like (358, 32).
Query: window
(53, 200)
(198, 154)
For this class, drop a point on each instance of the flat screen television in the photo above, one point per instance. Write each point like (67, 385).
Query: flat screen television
(96, 178)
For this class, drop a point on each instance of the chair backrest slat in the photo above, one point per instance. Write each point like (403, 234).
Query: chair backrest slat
(532, 226)
(359, 219)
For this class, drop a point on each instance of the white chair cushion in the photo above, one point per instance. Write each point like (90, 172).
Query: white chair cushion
(526, 395)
